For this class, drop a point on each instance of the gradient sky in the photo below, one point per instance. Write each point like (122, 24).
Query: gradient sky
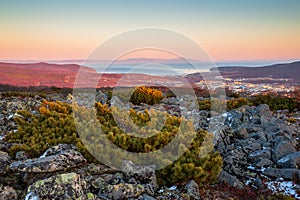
(228, 30)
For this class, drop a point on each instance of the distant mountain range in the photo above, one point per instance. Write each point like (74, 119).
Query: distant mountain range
(64, 75)
(285, 70)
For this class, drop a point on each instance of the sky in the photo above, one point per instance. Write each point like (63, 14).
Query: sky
(232, 30)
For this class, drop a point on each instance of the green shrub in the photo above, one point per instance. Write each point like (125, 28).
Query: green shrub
(146, 95)
(55, 124)
(276, 102)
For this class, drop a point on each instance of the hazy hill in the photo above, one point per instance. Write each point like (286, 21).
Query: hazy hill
(64, 75)
(285, 70)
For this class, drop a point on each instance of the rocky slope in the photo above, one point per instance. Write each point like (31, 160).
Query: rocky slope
(260, 150)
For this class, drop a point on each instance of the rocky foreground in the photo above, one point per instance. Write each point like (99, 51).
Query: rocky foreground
(260, 150)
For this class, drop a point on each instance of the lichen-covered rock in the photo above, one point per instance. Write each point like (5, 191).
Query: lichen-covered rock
(141, 174)
(121, 191)
(63, 186)
(8, 193)
(4, 162)
(51, 161)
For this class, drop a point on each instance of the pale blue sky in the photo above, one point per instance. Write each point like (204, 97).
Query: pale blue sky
(228, 30)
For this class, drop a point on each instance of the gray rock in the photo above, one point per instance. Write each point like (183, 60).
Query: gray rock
(146, 197)
(290, 174)
(115, 101)
(256, 155)
(4, 162)
(192, 190)
(252, 147)
(263, 162)
(63, 160)
(8, 193)
(231, 180)
(241, 132)
(290, 161)
(272, 129)
(282, 149)
(263, 110)
(21, 155)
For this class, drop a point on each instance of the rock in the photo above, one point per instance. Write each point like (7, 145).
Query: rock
(58, 149)
(4, 162)
(263, 110)
(258, 183)
(121, 191)
(252, 128)
(63, 186)
(282, 149)
(231, 180)
(8, 193)
(49, 162)
(115, 101)
(263, 162)
(142, 174)
(290, 161)
(290, 174)
(146, 197)
(256, 155)
(241, 132)
(272, 129)
(21, 155)
(192, 190)
(98, 183)
(252, 147)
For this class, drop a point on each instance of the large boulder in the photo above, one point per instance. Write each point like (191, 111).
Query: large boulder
(290, 161)
(229, 179)
(290, 174)
(54, 159)
(263, 110)
(282, 149)
(63, 186)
